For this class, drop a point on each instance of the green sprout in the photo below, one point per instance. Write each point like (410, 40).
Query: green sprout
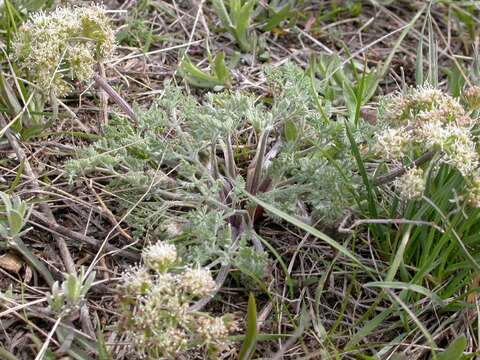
(220, 77)
(72, 293)
(14, 214)
(236, 17)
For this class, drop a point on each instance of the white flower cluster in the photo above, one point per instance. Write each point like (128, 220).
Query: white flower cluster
(426, 119)
(156, 306)
(64, 44)
(402, 107)
(212, 328)
(411, 185)
(393, 143)
(198, 282)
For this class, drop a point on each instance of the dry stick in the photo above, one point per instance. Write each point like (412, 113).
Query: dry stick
(401, 171)
(103, 84)
(54, 227)
(109, 214)
(103, 100)
(61, 244)
(357, 223)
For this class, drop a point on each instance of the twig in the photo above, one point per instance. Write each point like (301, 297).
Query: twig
(109, 214)
(103, 99)
(103, 84)
(399, 172)
(342, 229)
(55, 227)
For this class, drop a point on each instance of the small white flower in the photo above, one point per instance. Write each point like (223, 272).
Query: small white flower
(212, 330)
(160, 256)
(81, 61)
(159, 322)
(411, 185)
(198, 282)
(173, 341)
(173, 229)
(431, 133)
(426, 94)
(392, 143)
(136, 279)
(460, 151)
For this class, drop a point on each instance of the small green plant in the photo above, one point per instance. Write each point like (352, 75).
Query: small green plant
(242, 18)
(236, 17)
(71, 296)
(14, 214)
(156, 300)
(351, 85)
(220, 77)
(279, 14)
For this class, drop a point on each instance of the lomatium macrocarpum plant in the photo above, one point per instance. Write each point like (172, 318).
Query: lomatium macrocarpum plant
(63, 45)
(156, 301)
(190, 163)
(427, 122)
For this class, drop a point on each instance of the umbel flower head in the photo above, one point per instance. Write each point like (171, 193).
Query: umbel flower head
(64, 45)
(160, 256)
(403, 107)
(411, 185)
(198, 282)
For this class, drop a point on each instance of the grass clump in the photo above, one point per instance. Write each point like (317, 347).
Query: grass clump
(428, 143)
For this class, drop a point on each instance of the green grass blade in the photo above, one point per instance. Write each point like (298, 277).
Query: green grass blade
(403, 286)
(250, 342)
(309, 229)
(372, 208)
(367, 329)
(397, 259)
(455, 350)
